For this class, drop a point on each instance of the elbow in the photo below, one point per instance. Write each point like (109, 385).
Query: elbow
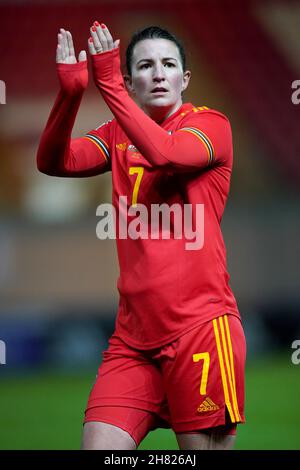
(161, 163)
(46, 164)
(41, 166)
(46, 171)
(44, 168)
(41, 161)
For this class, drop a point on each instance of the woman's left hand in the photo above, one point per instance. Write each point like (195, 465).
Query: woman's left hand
(101, 40)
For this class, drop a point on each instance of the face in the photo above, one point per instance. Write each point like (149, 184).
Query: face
(157, 78)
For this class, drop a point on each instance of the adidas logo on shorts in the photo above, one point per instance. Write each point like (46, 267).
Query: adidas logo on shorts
(207, 405)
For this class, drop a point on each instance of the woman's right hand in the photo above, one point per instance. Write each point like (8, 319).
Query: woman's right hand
(65, 54)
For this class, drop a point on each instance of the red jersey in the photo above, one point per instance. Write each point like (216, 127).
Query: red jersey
(165, 289)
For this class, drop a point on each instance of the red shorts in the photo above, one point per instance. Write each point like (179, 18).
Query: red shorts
(194, 383)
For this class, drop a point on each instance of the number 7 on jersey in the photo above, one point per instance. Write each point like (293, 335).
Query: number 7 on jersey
(139, 171)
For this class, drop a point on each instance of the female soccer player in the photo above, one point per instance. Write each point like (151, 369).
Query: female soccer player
(176, 358)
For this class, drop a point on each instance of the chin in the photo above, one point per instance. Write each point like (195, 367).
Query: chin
(160, 102)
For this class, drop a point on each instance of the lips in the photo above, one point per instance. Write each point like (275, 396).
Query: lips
(159, 90)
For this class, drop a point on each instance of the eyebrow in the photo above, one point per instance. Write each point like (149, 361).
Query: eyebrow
(151, 60)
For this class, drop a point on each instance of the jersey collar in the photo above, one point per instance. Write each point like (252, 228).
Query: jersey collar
(183, 109)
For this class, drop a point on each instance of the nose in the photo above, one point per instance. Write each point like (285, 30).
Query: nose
(158, 73)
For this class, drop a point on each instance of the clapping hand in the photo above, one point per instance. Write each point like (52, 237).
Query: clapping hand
(65, 53)
(101, 40)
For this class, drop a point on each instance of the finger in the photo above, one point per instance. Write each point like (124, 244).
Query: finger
(117, 43)
(108, 36)
(59, 57)
(60, 44)
(82, 56)
(91, 46)
(101, 36)
(59, 38)
(97, 43)
(70, 43)
(65, 42)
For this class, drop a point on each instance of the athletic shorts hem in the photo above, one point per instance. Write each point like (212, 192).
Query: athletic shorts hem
(116, 423)
(204, 423)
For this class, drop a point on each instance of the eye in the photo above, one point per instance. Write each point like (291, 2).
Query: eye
(170, 64)
(145, 66)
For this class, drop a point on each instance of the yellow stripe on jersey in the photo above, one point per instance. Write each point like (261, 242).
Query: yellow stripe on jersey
(204, 140)
(229, 371)
(223, 372)
(100, 144)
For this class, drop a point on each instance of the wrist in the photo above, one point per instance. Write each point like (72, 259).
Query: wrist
(77, 66)
(73, 78)
(107, 68)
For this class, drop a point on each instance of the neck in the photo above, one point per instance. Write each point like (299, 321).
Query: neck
(161, 114)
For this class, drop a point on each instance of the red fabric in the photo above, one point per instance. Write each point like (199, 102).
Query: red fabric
(165, 383)
(165, 289)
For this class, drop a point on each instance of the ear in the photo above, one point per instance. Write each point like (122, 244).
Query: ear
(128, 84)
(186, 79)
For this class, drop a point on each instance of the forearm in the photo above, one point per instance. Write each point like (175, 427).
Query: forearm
(58, 154)
(54, 155)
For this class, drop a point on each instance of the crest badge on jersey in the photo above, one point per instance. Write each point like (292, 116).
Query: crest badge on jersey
(134, 151)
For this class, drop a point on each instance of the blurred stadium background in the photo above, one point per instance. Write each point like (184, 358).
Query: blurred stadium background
(58, 292)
